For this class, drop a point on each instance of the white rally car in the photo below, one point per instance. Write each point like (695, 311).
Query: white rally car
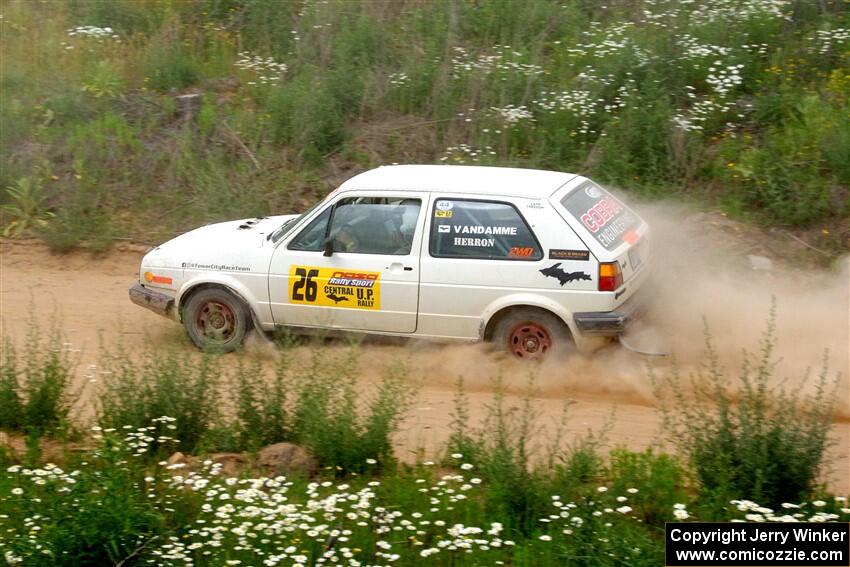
(526, 258)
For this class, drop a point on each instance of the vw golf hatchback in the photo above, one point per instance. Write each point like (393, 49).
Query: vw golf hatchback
(531, 260)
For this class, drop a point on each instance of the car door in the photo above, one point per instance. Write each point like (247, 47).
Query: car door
(480, 249)
(370, 280)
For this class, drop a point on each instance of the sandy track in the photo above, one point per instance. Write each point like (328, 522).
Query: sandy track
(608, 390)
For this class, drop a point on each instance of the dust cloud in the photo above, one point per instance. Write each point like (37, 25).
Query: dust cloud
(703, 278)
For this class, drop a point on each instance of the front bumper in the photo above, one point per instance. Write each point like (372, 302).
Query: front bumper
(611, 322)
(153, 300)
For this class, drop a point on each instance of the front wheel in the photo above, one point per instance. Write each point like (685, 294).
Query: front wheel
(531, 334)
(216, 320)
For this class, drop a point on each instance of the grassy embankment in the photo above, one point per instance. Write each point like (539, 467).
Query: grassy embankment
(749, 448)
(741, 105)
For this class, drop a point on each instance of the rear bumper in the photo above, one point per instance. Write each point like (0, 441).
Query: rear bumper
(611, 322)
(153, 300)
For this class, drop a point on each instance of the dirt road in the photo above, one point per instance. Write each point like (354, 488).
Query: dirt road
(609, 389)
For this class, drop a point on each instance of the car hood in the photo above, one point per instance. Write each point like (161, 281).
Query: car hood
(216, 246)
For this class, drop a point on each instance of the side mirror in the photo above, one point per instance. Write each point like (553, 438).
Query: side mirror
(328, 247)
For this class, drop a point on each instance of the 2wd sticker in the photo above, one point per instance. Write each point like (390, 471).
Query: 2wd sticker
(328, 287)
(521, 252)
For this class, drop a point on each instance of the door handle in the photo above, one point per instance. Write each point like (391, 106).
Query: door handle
(397, 267)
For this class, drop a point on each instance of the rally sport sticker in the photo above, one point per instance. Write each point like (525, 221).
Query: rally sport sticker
(329, 287)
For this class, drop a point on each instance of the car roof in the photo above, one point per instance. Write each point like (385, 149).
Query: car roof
(505, 181)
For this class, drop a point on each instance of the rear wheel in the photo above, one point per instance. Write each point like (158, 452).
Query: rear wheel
(216, 320)
(531, 334)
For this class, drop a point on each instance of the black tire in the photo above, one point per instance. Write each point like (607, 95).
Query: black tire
(216, 320)
(531, 334)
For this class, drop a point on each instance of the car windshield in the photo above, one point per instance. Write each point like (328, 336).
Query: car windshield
(285, 227)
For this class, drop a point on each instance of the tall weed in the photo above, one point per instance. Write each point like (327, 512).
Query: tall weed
(502, 449)
(262, 409)
(35, 385)
(343, 428)
(136, 390)
(749, 437)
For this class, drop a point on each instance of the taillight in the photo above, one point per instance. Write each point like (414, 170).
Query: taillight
(610, 276)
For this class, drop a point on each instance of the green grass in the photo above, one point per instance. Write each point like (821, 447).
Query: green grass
(115, 503)
(636, 101)
(497, 492)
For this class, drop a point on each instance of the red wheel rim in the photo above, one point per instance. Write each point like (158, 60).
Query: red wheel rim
(529, 340)
(216, 322)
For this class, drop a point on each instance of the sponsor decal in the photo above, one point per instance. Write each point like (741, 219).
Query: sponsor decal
(558, 254)
(443, 214)
(444, 205)
(605, 217)
(611, 233)
(330, 287)
(444, 228)
(478, 229)
(535, 205)
(521, 252)
(602, 212)
(555, 271)
(218, 267)
(475, 242)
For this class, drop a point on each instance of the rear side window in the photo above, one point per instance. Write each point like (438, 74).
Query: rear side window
(602, 214)
(485, 230)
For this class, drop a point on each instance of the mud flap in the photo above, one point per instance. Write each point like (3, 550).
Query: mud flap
(626, 343)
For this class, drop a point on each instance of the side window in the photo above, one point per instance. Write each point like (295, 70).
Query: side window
(482, 230)
(311, 238)
(375, 225)
(363, 225)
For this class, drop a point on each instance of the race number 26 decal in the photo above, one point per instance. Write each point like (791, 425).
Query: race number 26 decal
(329, 287)
(305, 288)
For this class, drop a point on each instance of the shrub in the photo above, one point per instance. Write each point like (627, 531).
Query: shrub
(163, 382)
(306, 115)
(82, 217)
(764, 442)
(660, 479)
(344, 429)
(262, 416)
(319, 406)
(35, 391)
(11, 405)
(501, 449)
(172, 69)
(27, 208)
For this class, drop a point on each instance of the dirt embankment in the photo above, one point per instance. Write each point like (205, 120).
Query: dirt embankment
(705, 272)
